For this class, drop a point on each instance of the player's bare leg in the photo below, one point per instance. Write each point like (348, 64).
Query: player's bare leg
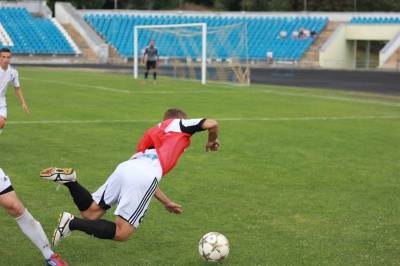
(124, 229)
(94, 212)
(2, 123)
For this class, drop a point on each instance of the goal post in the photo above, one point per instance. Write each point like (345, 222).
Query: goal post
(197, 51)
(203, 27)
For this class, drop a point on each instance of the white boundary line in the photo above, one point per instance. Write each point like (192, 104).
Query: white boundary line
(305, 95)
(218, 119)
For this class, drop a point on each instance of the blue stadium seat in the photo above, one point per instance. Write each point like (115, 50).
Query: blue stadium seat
(33, 35)
(262, 33)
(374, 20)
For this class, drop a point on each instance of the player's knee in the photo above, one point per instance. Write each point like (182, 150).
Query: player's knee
(2, 122)
(123, 229)
(122, 235)
(15, 209)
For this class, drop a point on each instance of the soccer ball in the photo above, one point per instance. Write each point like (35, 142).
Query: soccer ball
(213, 247)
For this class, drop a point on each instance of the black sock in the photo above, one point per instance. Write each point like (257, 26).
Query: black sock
(99, 228)
(146, 74)
(155, 75)
(82, 197)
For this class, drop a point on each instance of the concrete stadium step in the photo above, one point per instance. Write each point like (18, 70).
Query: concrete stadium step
(393, 62)
(89, 55)
(310, 58)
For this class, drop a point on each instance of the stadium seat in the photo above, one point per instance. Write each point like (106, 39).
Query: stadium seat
(119, 32)
(33, 35)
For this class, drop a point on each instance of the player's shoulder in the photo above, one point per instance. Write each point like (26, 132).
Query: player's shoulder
(12, 68)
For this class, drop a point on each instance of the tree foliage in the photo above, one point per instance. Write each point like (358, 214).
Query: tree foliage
(242, 5)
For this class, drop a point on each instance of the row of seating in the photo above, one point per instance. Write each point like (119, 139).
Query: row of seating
(376, 20)
(262, 33)
(31, 35)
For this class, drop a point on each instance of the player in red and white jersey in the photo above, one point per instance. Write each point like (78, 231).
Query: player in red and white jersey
(134, 182)
(8, 74)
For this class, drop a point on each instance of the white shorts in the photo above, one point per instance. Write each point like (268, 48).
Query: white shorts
(3, 111)
(5, 181)
(131, 186)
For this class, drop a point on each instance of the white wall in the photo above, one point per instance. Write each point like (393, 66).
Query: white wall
(338, 52)
(371, 32)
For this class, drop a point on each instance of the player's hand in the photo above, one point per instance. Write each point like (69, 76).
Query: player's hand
(212, 145)
(25, 108)
(158, 62)
(173, 207)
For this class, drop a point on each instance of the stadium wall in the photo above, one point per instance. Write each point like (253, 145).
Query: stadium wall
(66, 14)
(340, 50)
(337, 52)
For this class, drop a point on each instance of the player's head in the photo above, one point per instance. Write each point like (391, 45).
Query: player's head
(152, 42)
(5, 57)
(174, 113)
(6, 50)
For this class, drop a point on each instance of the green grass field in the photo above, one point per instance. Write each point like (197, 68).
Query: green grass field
(302, 177)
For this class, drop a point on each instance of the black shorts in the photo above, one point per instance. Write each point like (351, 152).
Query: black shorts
(151, 64)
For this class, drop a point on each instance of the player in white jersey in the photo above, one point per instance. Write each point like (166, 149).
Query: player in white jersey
(134, 182)
(8, 74)
(31, 228)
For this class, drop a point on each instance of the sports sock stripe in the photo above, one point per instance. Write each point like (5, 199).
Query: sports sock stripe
(149, 193)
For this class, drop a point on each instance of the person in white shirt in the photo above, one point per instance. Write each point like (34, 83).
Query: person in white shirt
(270, 56)
(282, 35)
(8, 74)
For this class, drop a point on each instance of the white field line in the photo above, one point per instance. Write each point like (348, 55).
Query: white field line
(305, 95)
(218, 119)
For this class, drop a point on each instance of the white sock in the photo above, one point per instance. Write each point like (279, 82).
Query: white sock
(0, 131)
(34, 231)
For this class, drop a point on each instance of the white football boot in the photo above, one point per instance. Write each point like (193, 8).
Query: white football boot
(62, 229)
(59, 175)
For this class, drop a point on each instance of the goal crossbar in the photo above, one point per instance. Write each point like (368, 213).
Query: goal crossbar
(204, 45)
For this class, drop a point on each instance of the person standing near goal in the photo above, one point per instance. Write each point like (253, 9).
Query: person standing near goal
(8, 74)
(153, 59)
(134, 182)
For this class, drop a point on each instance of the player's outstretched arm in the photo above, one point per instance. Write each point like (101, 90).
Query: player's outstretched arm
(18, 91)
(213, 130)
(168, 204)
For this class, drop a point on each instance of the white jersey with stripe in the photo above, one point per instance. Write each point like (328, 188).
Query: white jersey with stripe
(7, 76)
(189, 126)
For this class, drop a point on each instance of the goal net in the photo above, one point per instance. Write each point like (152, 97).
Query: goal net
(197, 51)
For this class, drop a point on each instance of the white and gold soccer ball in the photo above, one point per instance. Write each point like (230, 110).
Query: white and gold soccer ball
(213, 247)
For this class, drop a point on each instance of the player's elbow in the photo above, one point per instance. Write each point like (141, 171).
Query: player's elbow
(210, 124)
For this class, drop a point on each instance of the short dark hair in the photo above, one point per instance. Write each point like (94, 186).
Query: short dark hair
(174, 113)
(5, 50)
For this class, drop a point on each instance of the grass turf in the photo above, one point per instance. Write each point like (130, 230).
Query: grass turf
(302, 177)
